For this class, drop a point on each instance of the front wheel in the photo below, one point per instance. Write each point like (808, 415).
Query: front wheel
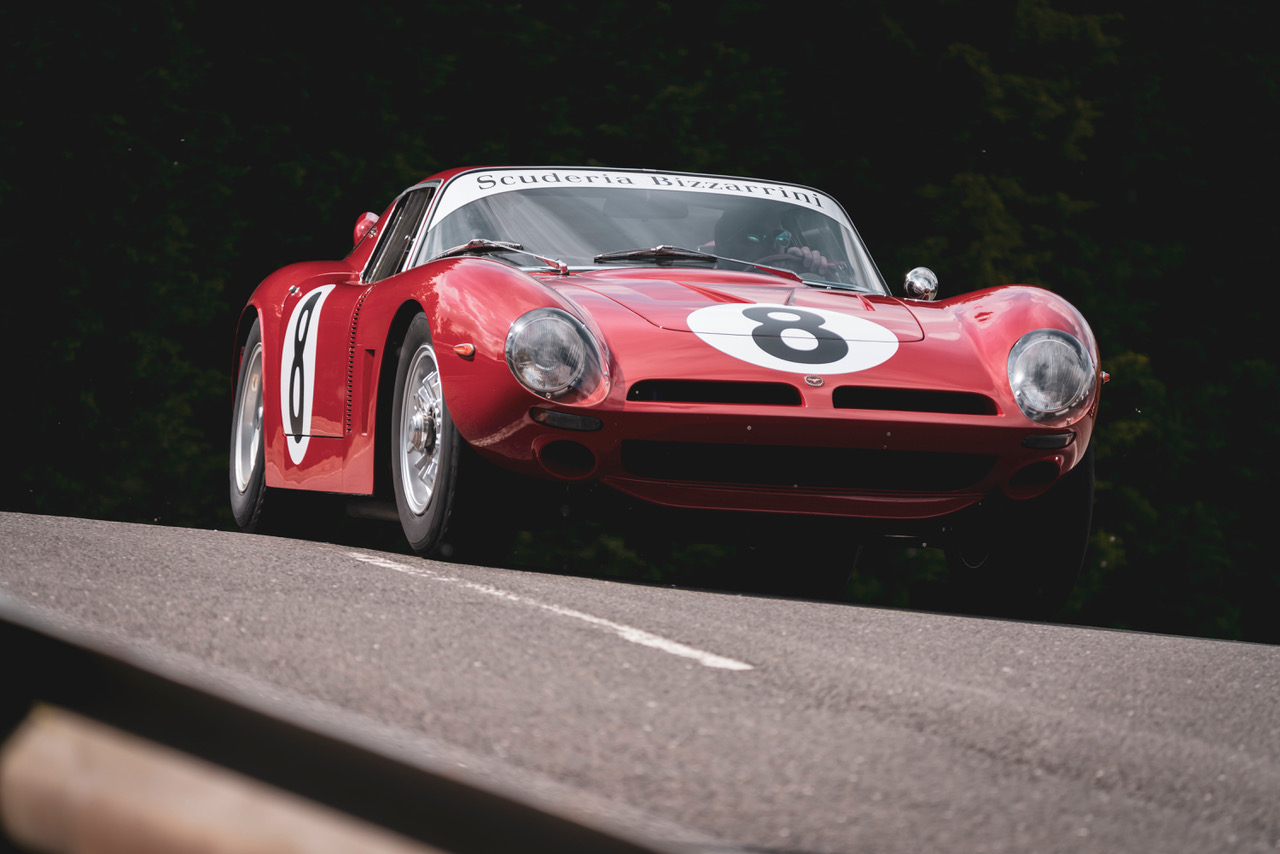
(1022, 558)
(248, 488)
(451, 503)
(425, 446)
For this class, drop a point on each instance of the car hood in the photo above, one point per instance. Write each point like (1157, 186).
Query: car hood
(666, 298)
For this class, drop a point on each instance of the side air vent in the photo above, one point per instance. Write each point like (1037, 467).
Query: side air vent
(351, 361)
(913, 400)
(699, 391)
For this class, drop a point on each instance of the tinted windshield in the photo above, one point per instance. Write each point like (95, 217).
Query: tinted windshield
(575, 215)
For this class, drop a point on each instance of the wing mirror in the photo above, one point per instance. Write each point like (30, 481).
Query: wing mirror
(921, 284)
(367, 220)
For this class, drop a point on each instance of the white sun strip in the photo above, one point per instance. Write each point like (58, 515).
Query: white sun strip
(627, 633)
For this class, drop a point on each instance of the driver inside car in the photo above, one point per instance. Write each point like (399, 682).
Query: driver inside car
(759, 236)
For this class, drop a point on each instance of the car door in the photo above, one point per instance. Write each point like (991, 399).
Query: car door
(316, 334)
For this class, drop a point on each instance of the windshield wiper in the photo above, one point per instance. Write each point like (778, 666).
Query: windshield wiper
(666, 255)
(484, 246)
(660, 255)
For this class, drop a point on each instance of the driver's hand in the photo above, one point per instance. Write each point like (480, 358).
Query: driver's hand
(813, 261)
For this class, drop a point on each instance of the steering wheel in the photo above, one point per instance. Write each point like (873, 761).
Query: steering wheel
(783, 259)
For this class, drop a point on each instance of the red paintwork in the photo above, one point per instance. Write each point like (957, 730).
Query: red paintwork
(959, 344)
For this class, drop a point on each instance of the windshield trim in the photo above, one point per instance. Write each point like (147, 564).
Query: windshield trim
(478, 183)
(472, 185)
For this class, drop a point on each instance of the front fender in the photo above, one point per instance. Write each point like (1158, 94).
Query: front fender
(470, 304)
(996, 318)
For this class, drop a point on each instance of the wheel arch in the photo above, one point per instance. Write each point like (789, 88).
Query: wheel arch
(396, 330)
(243, 327)
(469, 305)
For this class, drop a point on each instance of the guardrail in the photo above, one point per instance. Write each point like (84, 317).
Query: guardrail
(103, 744)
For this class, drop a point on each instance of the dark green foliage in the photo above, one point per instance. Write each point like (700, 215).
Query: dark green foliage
(161, 158)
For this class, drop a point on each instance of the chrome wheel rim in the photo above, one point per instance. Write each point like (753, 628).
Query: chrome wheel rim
(248, 431)
(420, 418)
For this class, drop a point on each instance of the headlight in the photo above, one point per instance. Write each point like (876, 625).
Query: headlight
(553, 355)
(1050, 373)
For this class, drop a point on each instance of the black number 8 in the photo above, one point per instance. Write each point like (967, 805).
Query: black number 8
(297, 388)
(774, 321)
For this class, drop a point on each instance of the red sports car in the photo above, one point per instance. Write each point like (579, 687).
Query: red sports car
(694, 341)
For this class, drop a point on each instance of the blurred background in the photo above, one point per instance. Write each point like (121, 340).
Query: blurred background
(160, 159)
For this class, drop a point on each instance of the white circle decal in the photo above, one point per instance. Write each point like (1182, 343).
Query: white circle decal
(796, 340)
(298, 363)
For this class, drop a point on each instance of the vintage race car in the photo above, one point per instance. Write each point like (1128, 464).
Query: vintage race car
(692, 341)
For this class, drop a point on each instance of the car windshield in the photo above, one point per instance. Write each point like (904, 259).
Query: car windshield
(579, 215)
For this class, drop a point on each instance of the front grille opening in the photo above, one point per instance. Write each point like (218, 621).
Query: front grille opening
(568, 459)
(705, 391)
(913, 400)
(804, 467)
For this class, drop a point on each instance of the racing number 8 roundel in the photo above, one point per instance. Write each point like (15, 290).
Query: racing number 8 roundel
(796, 340)
(298, 371)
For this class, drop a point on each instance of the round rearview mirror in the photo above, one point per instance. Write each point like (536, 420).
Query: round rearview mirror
(921, 283)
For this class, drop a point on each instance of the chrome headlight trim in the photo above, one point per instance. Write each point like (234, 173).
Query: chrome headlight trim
(552, 354)
(1051, 374)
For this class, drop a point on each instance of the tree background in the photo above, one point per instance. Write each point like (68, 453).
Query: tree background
(162, 157)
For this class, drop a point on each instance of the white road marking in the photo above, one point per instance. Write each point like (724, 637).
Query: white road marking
(627, 633)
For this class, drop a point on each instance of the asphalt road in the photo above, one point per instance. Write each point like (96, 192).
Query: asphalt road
(734, 722)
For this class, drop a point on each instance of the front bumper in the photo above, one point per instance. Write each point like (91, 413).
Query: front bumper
(856, 463)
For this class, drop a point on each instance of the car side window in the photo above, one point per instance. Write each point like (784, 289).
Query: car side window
(397, 239)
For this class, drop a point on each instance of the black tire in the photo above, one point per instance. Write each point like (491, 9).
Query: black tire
(425, 446)
(1022, 558)
(248, 487)
(452, 504)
